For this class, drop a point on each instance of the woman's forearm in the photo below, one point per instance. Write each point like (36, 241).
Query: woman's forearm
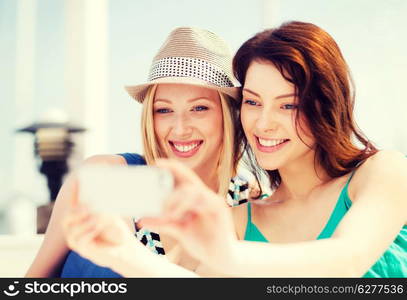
(137, 261)
(322, 258)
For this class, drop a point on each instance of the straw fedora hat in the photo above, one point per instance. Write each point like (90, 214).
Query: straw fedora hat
(191, 56)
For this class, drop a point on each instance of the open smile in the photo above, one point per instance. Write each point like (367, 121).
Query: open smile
(270, 145)
(185, 149)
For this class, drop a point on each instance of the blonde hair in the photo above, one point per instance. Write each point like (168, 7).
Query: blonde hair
(226, 168)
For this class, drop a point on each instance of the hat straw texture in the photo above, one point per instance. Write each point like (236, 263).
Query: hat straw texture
(191, 56)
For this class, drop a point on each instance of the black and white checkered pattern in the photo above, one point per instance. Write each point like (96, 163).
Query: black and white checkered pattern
(238, 194)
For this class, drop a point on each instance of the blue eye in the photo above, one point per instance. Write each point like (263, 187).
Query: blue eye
(162, 110)
(289, 106)
(250, 102)
(200, 108)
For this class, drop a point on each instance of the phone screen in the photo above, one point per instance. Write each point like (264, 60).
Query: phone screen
(136, 191)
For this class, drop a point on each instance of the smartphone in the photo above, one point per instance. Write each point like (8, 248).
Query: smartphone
(137, 191)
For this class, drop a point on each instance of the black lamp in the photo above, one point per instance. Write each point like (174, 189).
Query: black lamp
(53, 147)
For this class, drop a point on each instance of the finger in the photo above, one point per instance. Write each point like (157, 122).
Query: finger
(115, 230)
(71, 186)
(192, 201)
(172, 229)
(74, 234)
(187, 210)
(73, 217)
(182, 174)
(76, 230)
(83, 242)
(154, 223)
(96, 230)
(78, 212)
(180, 199)
(173, 200)
(163, 223)
(182, 209)
(86, 237)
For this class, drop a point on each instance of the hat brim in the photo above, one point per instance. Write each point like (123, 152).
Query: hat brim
(139, 92)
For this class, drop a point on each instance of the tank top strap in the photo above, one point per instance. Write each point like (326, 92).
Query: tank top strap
(349, 179)
(353, 173)
(344, 196)
(249, 212)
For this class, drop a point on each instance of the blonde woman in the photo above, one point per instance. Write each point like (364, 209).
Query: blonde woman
(188, 115)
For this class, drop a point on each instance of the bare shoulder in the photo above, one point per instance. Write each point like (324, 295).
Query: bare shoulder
(383, 170)
(385, 162)
(387, 156)
(239, 214)
(105, 159)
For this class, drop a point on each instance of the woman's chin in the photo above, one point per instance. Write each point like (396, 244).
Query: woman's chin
(268, 165)
(190, 162)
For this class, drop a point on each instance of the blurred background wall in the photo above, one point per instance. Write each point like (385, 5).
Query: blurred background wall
(76, 55)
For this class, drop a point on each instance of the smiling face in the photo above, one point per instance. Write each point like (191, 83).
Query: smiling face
(268, 112)
(188, 124)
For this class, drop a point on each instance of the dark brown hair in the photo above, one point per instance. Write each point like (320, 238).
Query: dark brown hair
(308, 57)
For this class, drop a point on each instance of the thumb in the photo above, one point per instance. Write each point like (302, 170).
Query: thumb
(182, 174)
(71, 186)
(114, 229)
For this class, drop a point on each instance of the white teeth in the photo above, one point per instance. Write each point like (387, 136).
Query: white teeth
(270, 143)
(182, 148)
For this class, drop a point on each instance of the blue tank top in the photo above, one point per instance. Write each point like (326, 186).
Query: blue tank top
(76, 266)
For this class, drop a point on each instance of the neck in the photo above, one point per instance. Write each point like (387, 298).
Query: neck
(209, 178)
(298, 185)
(208, 172)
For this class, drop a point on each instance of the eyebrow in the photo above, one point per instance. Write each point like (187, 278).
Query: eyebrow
(162, 100)
(190, 100)
(278, 97)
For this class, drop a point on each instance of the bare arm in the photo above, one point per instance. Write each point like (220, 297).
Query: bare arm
(106, 240)
(378, 213)
(198, 219)
(146, 264)
(53, 250)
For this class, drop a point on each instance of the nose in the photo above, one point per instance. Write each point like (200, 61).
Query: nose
(181, 126)
(266, 122)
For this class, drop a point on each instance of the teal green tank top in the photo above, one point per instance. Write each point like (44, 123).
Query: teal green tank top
(393, 263)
